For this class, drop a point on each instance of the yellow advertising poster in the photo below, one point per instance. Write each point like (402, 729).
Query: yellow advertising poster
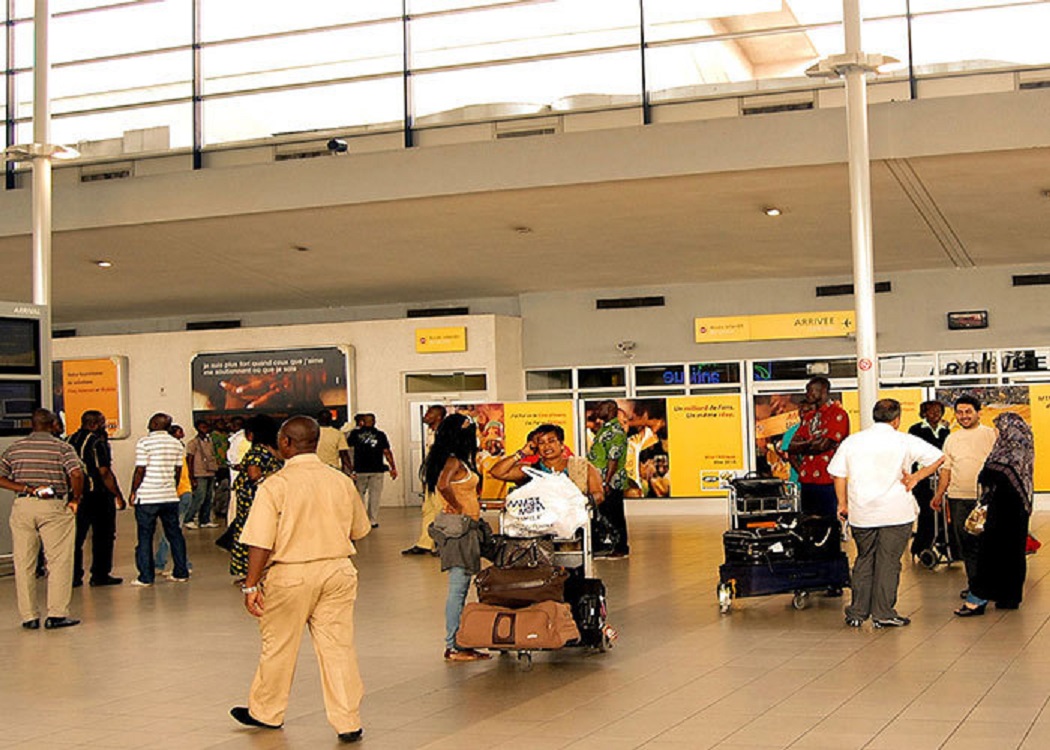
(88, 384)
(910, 399)
(433, 340)
(807, 325)
(706, 433)
(804, 325)
(714, 330)
(1039, 396)
(522, 417)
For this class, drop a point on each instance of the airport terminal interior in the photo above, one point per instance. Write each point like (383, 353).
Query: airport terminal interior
(518, 208)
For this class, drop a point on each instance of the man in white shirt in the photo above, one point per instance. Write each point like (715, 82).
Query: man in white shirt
(873, 486)
(965, 451)
(158, 465)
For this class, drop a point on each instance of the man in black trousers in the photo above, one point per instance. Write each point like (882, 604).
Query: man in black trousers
(934, 431)
(102, 498)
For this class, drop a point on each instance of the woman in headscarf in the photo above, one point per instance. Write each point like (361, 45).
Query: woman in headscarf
(261, 460)
(1006, 482)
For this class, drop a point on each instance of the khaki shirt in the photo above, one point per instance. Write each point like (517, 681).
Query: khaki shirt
(306, 511)
(965, 452)
(329, 443)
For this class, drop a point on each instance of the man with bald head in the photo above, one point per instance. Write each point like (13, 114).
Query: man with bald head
(41, 470)
(300, 534)
(158, 466)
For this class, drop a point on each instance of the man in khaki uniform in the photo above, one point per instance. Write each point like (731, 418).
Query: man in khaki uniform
(299, 534)
(41, 470)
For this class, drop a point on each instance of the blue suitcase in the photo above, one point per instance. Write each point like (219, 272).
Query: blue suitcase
(798, 577)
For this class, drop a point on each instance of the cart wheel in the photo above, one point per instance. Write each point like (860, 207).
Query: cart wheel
(928, 559)
(525, 661)
(725, 597)
(800, 600)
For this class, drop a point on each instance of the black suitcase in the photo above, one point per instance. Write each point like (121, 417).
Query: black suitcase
(586, 596)
(760, 545)
(749, 579)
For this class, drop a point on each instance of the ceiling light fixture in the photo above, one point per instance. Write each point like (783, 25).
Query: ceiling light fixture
(104, 263)
(523, 230)
(300, 248)
(772, 211)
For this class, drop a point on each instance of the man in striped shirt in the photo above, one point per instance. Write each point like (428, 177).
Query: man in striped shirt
(41, 470)
(158, 465)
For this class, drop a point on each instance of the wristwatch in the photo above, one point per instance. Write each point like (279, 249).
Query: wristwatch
(249, 589)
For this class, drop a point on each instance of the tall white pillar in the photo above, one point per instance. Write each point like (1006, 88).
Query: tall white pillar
(41, 158)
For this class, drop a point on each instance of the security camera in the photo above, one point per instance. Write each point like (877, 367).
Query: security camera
(626, 348)
(338, 146)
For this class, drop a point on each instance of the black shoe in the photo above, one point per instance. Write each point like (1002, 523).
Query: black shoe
(107, 581)
(415, 549)
(78, 582)
(354, 736)
(33, 624)
(964, 593)
(240, 713)
(833, 592)
(52, 623)
(965, 611)
(854, 622)
(892, 622)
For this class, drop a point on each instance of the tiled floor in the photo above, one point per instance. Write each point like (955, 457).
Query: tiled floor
(160, 667)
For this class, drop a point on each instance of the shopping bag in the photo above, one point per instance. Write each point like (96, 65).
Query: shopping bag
(548, 504)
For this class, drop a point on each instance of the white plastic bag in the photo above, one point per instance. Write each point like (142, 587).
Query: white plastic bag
(549, 504)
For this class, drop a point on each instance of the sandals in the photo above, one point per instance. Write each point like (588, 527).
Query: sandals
(967, 611)
(465, 654)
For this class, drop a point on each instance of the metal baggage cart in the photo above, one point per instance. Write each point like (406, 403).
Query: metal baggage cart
(757, 503)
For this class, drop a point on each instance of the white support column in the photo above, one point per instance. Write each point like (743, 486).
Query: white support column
(860, 215)
(41, 160)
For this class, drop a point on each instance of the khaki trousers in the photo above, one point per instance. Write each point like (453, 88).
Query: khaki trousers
(320, 595)
(431, 508)
(35, 521)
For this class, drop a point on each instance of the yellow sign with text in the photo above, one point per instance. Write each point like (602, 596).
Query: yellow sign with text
(808, 325)
(706, 438)
(433, 340)
(1039, 399)
(523, 417)
(92, 384)
(910, 400)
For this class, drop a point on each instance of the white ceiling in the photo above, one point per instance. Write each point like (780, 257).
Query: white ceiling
(615, 234)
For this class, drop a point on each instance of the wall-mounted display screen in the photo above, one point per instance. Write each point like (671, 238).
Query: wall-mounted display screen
(18, 399)
(19, 346)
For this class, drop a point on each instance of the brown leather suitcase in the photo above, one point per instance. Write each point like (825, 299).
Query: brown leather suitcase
(520, 587)
(546, 625)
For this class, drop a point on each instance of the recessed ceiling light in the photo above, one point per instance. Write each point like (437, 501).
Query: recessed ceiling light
(300, 248)
(104, 263)
(523, 230)
(772, 211)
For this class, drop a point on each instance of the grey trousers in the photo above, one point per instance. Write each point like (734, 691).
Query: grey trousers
(965, 542)
(877, 570)
(370, 488)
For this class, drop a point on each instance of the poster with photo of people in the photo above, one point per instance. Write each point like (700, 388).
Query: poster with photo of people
(648, 459)
(279, 383)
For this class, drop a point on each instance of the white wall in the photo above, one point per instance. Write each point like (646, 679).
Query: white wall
(159, 368)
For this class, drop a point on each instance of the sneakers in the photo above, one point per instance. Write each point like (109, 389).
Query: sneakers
(141, 584)
(107, 581)
(415, 550)
(892, 622)
(191, 525)
(854, 622)
(175, 579)
(465, 654)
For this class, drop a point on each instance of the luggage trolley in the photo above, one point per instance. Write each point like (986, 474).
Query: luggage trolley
(770, 548)
(940, 550)
(584, 592)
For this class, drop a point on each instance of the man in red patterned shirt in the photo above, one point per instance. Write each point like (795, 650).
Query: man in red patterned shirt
(816, 441)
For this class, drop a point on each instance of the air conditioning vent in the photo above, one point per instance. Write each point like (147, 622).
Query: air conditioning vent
(438, 312)
(1034, 85)
(103, 172)
(843, 290)
(212, 325)
(1033, 79)
(795, 101)
(627, 303)
(770, 109)
(1032, 279)
(528, 128)
(64, 333)
(310, 150)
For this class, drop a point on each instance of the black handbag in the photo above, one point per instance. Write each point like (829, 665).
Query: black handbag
(228, 538)
(604, 536)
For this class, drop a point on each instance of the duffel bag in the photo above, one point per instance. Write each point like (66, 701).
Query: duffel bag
(543, 625)
(519, 587)
(760, 545)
